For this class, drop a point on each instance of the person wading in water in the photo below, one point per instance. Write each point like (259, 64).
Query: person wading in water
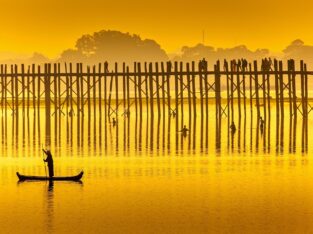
(49, 160)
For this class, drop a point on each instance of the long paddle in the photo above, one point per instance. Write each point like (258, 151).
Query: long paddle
(44, 161)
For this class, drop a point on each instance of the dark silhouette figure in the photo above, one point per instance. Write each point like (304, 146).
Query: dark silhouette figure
(114, 122)
(173, 113)
(126, 113)
(203, 65)
(184, 131)
(233, 65)
(71, 113)
(261, 125)
(239, 68)
(244, 63)
(49, 161)
(225, 65)
(233, 128)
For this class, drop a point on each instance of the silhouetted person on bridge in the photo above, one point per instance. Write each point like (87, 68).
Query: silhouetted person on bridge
(49, 161)
(244, 64)
(203, 65)
(106, 67)
(239, 68)
(225, 65)
(291, 65)
(233, 128)
(233, 65)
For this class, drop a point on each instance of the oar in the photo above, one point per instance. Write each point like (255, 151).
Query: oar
(44, 161)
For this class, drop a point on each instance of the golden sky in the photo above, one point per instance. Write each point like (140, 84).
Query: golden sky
(50, 26)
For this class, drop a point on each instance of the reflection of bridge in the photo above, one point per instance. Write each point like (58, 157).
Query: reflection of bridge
(143, 135)
(70, 91)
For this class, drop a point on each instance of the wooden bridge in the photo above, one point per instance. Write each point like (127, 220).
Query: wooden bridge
(161, 88)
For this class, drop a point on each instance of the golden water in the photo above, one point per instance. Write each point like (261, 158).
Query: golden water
(155, 181)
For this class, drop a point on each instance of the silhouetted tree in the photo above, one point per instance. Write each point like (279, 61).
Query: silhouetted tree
(114, 46)
(72, 55)
(211, 54)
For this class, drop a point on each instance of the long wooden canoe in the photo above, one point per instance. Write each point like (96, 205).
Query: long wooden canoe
(65, 178)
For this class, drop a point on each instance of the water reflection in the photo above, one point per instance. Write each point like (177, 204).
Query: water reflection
(144, 132)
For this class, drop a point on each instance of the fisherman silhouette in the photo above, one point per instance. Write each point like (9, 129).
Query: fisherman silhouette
(173, 113)
(233, 127)
(261, 125)
(49, 161)
(184, 131)
(114, 122)
(126, 113)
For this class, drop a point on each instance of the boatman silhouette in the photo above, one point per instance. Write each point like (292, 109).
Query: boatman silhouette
(49, 161)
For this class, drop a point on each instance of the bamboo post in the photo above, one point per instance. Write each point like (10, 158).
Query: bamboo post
(281, 85)
(157, 81)
(94, 91)
(116, 90)
(82, 102)
(88, 93)
(127, 89)
(139, 88)
(151, 89)
(100, 92)
(244, 90)
(306, 106)
(146, 86)
(71, 92)
(55, 101)
(106, 69)
(23, 86)
(28, 89)
(189, 90)
(181, 94)
(47, 102)
(264, 91)
(268, 85)
(169, 70)
(194, 97)
(136, 87)
(16, 92)
(78, 101)
(201, 88)
(277, 97)
(256, 88)
(176, 92)
(250, 90)
(238, 92)
(290, 89)
(124, 88)
(163, 89)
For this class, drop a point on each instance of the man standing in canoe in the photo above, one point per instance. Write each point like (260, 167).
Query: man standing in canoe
(49, 160)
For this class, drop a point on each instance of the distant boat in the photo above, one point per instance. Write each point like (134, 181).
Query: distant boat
(66, 178)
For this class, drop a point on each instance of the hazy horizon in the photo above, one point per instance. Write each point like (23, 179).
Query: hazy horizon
(117, 46)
